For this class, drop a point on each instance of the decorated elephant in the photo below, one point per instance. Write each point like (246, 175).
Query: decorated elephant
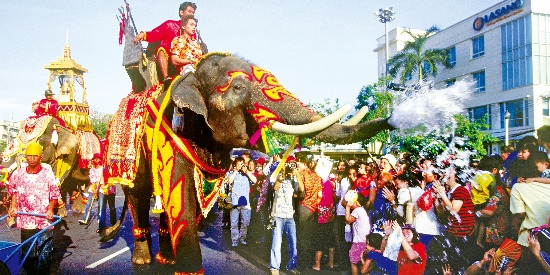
(183, 144)
(61, 151)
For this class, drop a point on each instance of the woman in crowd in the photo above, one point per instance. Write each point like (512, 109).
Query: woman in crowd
(455, 245)
(496, 214)
(340, 221)
(325, 220)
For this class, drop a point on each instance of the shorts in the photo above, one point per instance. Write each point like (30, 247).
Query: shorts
(356, 251)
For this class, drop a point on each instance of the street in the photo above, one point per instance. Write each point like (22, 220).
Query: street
(78, 250)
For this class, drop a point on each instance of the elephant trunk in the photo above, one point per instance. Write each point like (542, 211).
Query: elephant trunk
(346, 134)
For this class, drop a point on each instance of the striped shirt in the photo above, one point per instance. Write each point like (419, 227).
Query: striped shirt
(463, 225)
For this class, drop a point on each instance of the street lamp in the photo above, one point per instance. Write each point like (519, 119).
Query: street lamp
(506, 126)
(386, 15)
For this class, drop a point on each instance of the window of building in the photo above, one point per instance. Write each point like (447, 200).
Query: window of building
(481, 112)
(546, 107)
(541, 47)
(478, 47)
(479, 77)
(518, 113)
(450, 82)
(451, 58)
(517, 60)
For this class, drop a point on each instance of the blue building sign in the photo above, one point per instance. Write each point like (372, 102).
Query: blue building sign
(498, 15)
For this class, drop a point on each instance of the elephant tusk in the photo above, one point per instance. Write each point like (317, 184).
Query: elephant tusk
(357, 117)
(313, 127)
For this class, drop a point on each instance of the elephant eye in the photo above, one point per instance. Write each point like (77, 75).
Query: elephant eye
(238, 87)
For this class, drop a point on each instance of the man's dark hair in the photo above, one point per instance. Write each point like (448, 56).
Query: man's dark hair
(506, 149)
(488, 163)
(528, 140)
(184, 5)
(186, 19)
(374, 240)
(239, 159)
(539, 156)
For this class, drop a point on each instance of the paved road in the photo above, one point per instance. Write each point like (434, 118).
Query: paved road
(78, 250)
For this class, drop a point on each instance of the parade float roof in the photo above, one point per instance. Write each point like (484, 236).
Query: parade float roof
(66, 62)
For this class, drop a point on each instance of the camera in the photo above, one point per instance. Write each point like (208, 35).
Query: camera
(291, 165)
(242, 167)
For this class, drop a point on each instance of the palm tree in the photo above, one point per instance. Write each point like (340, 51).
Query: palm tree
(414, 58)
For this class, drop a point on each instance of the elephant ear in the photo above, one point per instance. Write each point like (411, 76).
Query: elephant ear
(185, 94)
(68, 142)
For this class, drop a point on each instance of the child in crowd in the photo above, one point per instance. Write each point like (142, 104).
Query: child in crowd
(373, 260)
(541, 161)
(356, 215)
(483, 187)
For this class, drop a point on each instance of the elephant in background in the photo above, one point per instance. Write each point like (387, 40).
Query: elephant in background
(62, 156)
(216, 108)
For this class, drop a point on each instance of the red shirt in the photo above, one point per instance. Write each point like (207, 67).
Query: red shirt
(408, 267)
(165, 33)
(47, 107)
(363, 185)
(463, 225)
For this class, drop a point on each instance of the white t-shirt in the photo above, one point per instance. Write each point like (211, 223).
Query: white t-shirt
(425, 222)
(361, 226)
(341, 191)
(531, 199)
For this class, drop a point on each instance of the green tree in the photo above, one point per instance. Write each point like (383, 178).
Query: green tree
(413, 58)
(378, 100)
(432, 144)
(100, 123)
(325, 108)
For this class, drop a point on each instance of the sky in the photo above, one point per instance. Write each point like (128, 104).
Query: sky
(317, 49)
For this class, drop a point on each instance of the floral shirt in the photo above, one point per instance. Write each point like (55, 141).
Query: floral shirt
(263, 194)
(34, 193)
(312, 186)
(189, 49)
(498, 226)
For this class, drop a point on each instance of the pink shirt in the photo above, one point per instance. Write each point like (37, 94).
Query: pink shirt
(34, 192)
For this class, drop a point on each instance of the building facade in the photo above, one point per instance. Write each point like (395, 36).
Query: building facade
(9, 130)
(505, 51)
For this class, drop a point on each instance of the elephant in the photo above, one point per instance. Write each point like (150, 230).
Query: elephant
(217, 107)
(61, 155)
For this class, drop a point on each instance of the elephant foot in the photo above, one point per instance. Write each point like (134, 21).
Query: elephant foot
(141, 253)
(162, 260)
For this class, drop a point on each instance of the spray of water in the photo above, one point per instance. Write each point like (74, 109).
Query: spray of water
(434, 109)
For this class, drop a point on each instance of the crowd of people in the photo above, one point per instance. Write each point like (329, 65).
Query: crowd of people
(397, 214)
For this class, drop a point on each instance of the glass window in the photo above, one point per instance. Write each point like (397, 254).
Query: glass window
(478, 47)
(516, 54)
(479, 77)
(451, 58)
(481, 112)
(545, 107)
(518, 113)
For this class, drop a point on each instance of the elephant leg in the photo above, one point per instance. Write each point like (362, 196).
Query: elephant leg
(165, 254)
(188, 252)
(139, 209)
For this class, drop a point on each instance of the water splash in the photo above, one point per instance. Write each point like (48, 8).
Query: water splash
(431, 108)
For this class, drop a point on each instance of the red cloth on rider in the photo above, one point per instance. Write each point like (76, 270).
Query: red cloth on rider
(47, 107)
